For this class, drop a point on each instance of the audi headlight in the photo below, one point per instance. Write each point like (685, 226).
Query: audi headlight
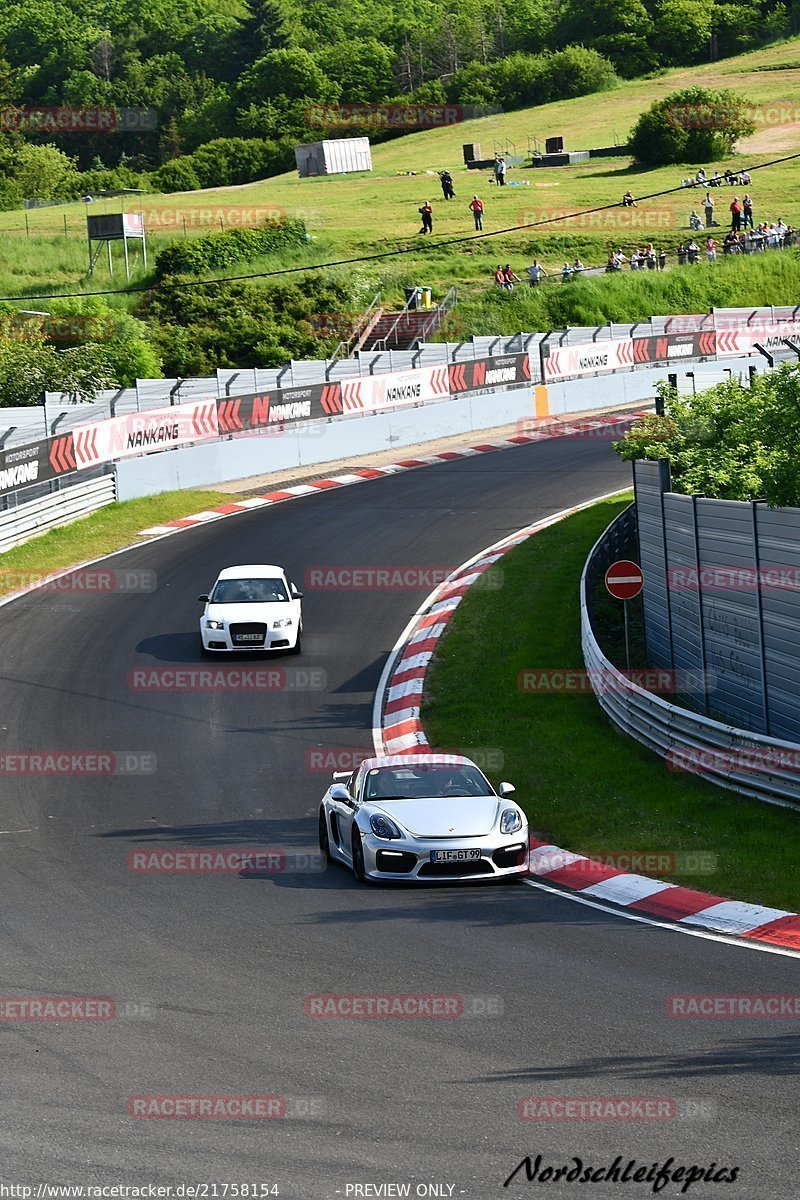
(383, 827)
(281, 623)
(215, 624)
(510, 821)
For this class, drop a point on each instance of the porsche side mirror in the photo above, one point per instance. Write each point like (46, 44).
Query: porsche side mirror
(506, 789)
(339, 792)
(204, 599)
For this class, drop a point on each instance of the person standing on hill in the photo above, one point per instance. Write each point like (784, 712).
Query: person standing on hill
(476, 207)
(500, 171)
(536, 273)
(426, 213)
(747, 211)
(708, 205)
(736, 214)
(447, 185)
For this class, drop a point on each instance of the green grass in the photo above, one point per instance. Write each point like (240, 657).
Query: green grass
(586, 786)
(108, 529)
(373, 213)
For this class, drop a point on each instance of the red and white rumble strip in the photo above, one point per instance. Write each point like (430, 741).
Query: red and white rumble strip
(550, 428)
(399, 730)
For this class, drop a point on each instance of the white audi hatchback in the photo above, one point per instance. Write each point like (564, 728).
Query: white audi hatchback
(252, 608)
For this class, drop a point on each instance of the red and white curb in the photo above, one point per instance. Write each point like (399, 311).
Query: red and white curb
(548, 430)
(397, 729)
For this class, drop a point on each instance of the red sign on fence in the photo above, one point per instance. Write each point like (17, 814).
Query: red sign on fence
(624, 579)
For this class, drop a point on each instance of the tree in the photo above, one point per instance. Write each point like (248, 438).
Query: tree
(696, 125)
(682, 30)
(294, 74)
(729, 442)
(362, 69)
(45, 173)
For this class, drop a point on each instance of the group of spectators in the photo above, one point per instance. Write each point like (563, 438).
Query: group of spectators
(718, 179)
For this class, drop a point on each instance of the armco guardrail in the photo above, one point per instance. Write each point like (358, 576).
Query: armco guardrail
(17, 525)
(762, 767)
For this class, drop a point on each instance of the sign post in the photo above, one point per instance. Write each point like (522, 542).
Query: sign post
(624, 581)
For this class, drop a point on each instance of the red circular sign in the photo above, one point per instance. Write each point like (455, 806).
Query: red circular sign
(624, 579)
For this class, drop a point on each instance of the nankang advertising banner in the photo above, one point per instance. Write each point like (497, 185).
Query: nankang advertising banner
(280, 407)
(37, 462)
(499, 371)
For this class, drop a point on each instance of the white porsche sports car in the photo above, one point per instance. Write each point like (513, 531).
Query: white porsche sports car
(252, 608)
(422, 816)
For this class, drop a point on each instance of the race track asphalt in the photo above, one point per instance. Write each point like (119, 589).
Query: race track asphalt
(209, 972)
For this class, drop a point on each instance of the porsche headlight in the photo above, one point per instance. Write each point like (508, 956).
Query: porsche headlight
(510, 821)
(384, 827)
(282, 623)
(215, 624)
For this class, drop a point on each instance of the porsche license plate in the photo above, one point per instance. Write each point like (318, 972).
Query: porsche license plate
(455, 856)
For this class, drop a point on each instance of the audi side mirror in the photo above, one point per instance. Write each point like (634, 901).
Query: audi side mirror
(204, 599)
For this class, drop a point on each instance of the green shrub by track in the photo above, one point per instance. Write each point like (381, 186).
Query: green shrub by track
(586, 786)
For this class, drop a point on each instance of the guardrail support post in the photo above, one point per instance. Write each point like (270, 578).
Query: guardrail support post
(762, 655)
(700, 627)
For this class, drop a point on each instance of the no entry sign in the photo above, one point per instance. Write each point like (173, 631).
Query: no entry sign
(624, 579)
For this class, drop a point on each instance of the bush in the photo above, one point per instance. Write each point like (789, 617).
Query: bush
(176, 176)
(693, 126)
(577, 71)
(216, 251)
(729, 442)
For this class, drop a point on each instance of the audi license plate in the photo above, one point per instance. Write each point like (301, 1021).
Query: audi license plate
(455, 856)
(249, 637)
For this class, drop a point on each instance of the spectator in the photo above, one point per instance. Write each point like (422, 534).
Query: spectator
(499, 276)
(447, 185)
(788, 237)
(536, 273)
(716, 179)
(650, 256)
(635, 259)
(620, 257)
(577, 267)
(681, 253)
(476, 207)
(781, 230)
(692, 251)
(711, 249)
(774, 240)
(730, 242)
(566, 273)
(662, 260)
(744, 178)
(700, 177)
(500, 171)
(708, 205)
(427, 217)
(694, 220)
(736, 215)
(509, 277)
(613, 263)
(747, 211)
(628, 200)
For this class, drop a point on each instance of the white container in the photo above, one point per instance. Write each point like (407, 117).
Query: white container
(337, 157)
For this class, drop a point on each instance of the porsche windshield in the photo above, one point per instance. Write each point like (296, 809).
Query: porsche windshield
(436, 779)
(249, 591)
